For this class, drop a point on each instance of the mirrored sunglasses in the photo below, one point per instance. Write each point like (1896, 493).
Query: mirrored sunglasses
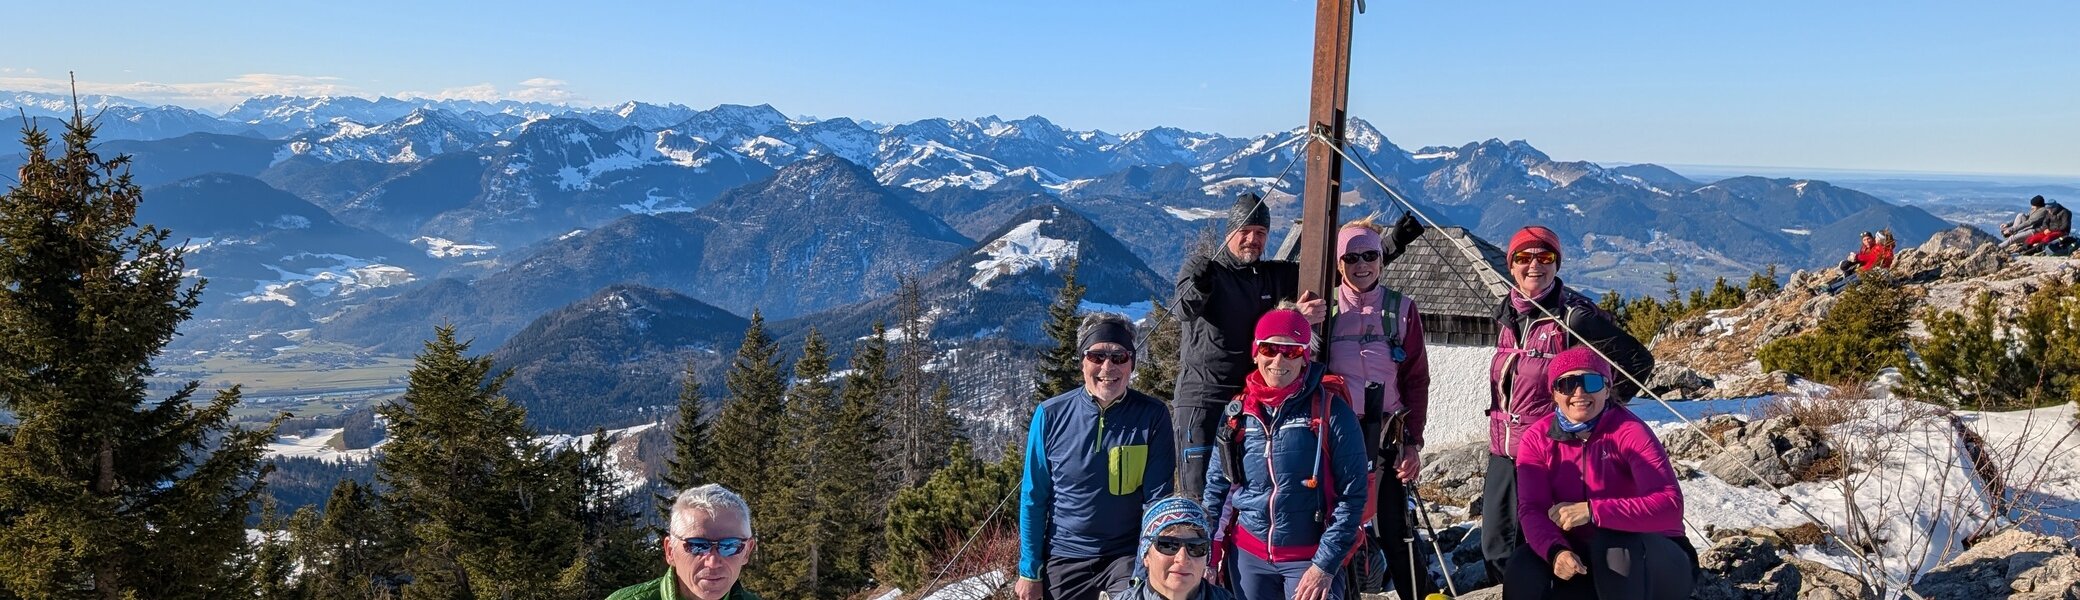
(1194, 547)
(1100, 357)
(1279, 349)
(1586, 382)
(1358, 257)
(725, 547)
(1524, 257)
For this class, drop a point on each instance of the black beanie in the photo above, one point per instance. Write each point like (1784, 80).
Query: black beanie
(1249, 210)
(2037, 201)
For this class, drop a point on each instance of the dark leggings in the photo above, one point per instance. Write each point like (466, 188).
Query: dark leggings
(1622, 566)
(1500, 534)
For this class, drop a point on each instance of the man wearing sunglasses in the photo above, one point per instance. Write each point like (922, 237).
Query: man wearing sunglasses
(1094, 457)
(1219, 297)
(1540, 318)
(708, 543)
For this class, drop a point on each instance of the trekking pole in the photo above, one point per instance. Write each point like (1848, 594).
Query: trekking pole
(1436, 550)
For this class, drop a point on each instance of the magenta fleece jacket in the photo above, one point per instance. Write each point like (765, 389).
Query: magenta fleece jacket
(1619, 467)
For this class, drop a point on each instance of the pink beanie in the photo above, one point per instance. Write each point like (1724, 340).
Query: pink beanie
(1285, 322)
(1578, 358)
(1357, 239)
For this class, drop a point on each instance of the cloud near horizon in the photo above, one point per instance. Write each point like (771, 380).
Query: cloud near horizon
(220, 95)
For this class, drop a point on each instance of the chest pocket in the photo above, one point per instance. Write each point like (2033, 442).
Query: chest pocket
(1124, 467)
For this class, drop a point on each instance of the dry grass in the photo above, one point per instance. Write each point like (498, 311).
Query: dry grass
(1803, 535)
(1819, 412)
(995, 549)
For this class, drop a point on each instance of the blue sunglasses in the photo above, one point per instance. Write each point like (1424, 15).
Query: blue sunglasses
(725, 547)
(1586, 382)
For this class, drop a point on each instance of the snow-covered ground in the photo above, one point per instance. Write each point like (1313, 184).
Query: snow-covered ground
(2040, 452)
(1018, 250)
(978, 587)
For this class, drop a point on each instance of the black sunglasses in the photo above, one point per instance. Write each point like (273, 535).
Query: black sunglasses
(1586, 382)
(1194, 547)
(1358, 257)
(725, 547)
(1100, 357)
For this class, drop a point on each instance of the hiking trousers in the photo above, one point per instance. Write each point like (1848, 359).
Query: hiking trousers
(1194, 428)
(1500, 532)
(1622, 565)
(1068, 578)
(1259, 579)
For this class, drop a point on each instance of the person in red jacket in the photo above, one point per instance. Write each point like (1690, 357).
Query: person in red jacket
(1602, 513)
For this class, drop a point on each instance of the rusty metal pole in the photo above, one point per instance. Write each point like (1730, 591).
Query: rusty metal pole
(1318, 220)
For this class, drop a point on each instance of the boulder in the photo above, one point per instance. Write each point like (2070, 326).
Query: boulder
(1672, 380)
(1453, 475)
(1779, 449)
(1694, 442)
(2013, 564)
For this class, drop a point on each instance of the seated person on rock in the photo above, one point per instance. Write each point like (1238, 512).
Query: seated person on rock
(1598, 499)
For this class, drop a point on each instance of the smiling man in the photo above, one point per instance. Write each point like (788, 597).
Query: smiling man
(710, 541)
(1095, 456)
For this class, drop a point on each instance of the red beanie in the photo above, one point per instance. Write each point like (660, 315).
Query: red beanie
(1535, 236)
(1285, 322)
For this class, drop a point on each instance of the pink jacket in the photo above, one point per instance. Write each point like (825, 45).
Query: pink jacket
(1361, 352)
(1618, 467)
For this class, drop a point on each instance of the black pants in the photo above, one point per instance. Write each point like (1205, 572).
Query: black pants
(1193, 427)
(1068, 578)
(1500, 532)
(1396, 532)
(1622, 566)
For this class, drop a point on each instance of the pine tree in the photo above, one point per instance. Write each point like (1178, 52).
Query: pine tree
(107, 494)
(856, 505)
(614, 550)
(1155, 371)
(749, 433)
(273, 562)
(790, 565)
(690, 462)
(347, 554)
(1675, 293)
(485, 506)
(1058, 369)
(927, 524)
(1764, 282)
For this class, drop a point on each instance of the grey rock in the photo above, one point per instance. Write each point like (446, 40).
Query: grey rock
(1780, 450)
(1455, 472)
(1818, 582)
(2014, 564)
(1670, 378)
(1692, 442)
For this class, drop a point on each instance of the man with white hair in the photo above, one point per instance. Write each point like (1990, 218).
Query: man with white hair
(705, 550)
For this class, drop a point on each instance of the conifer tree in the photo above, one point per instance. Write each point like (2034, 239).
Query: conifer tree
(349, 552)
(1155, 371)
(928, 523)
(855, 504)
(748, 434)
(613, 550)
(795, 530)
(1057, 370)
(690, 462)
(484, 506)
(107, 491)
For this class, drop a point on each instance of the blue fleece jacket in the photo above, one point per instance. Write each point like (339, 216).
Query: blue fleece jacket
(1088, 475)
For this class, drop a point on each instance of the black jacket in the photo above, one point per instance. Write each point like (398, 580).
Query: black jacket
(1219, 299)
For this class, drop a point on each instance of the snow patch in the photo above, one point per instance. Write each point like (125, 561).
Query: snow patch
(1135, 312)
(1192, 214)
(1797, 231)
(336, 275)
(1575, 209)
(1019, 250)
(442, 248)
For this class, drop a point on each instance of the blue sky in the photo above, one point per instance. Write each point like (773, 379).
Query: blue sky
(1898, 86)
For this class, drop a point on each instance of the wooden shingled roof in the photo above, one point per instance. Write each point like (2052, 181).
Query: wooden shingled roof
(1439, 273)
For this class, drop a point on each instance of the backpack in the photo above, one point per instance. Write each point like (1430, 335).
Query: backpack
(1230, 439)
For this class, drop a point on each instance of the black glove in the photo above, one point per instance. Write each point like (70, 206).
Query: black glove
(1404, 232)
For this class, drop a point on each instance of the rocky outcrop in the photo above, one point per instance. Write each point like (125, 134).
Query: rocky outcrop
(1717, 349)
(2014, 564)
(1453, 475)
(1779, 450)
(1752, 565)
